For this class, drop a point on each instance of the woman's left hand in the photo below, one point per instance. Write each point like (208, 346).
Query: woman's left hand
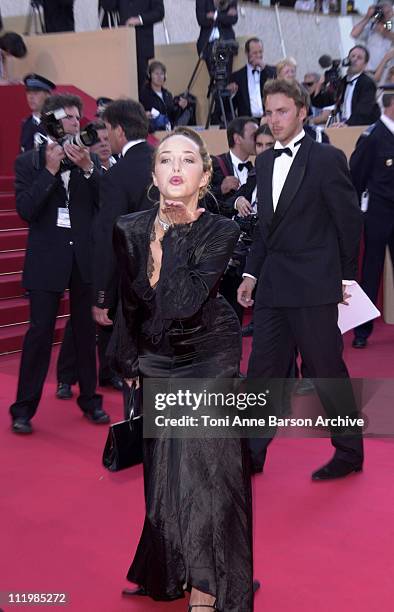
(178, 214)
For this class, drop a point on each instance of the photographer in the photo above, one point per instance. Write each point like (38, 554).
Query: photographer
(216, 19)
(354, 95)
(372, 31)
(57, 194)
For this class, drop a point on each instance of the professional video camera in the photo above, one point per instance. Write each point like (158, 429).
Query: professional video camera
(222, 52)
(52, 121)
(333, 75)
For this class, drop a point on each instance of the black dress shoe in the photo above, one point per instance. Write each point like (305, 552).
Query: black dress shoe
(22, 425)
(336, 468)
(115, 381)
(64, 391)
(359, 343)
(97, 415)
(247, 330)
(139, 591)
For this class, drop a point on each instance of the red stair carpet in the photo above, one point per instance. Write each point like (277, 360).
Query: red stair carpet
(68, 525)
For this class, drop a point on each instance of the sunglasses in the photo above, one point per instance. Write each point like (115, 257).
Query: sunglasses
(309, 84)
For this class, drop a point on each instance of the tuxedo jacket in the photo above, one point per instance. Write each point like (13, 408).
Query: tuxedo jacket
(224, 22)
(219, 172)
(303, 251)
(123, 190)
(29, 128)
(365, 110)
(241, 100)
(51, 249)
(151, 11)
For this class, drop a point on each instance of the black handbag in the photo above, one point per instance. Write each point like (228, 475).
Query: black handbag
(123, 447)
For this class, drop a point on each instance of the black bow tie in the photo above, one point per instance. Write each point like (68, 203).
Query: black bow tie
(255, 70)
(278, 152)
(248, 165)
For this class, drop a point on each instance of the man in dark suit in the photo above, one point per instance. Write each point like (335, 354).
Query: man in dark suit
(58, 15)
(59, 202)
(355, 100)
(215, 23)
(38, 88)
(123, 189)
(372, 169)
(140, 14)
(305, 248)
(247, 83)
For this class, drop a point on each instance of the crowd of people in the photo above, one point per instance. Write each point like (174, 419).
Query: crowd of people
(162, 250)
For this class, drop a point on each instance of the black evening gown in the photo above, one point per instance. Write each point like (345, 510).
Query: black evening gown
(198, 524)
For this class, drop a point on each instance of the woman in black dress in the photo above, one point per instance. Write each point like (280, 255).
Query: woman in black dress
(197, 534)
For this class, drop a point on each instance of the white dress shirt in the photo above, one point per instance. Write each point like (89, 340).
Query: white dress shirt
(215, 34)
(242, 175)
(282, 166)
(346, 109)
(130, 144)
(256, 103)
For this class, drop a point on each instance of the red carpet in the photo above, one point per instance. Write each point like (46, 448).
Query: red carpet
(68, 525)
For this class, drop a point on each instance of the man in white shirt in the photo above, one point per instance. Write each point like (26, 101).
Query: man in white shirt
(304, 248)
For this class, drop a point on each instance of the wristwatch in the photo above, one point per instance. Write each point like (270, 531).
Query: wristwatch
(89, 172)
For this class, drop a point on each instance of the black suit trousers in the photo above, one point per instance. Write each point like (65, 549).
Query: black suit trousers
(37, 347)
(378, 233)
(315, 332)
(66, 368)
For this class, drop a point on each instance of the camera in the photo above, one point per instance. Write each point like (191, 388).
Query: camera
(52, 120)
(222, 52)
(379, 17)
(241, 251)
(332, 76)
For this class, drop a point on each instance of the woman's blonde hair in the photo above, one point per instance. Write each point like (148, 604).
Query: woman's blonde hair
(287, 61)
(202, 147)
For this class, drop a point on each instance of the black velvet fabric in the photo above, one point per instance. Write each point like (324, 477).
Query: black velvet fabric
(198, 524)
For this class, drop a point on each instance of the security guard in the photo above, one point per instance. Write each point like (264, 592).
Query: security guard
(372, 169)
(38, 88)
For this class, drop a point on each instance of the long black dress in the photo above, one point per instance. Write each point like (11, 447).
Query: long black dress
(198, 524)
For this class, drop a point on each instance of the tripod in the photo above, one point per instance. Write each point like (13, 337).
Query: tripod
(34, 19)
(220, 93)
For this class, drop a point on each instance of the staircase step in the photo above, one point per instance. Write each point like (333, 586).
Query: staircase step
(12, 240)
(17, 310)
(11, 220)
(7, 184)
(7, 201)
(11, 286)
(11, 262)
(11, 338)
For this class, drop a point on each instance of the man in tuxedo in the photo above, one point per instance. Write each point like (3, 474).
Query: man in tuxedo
(355, 100)
(38, 88)
(123, 190)
(141, 15)
(215, 23)
(58, 15)
(372, 169)
(230, 171)
(59, 201)
(304, 250)
(247, 83)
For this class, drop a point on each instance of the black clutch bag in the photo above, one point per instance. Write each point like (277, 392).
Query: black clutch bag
(123, 447)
